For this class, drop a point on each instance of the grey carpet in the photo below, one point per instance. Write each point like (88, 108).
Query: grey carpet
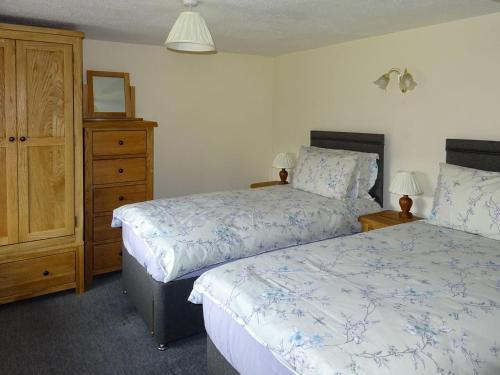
(95, 333)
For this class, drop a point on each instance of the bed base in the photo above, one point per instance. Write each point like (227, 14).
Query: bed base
(168, 314)
(216, 363)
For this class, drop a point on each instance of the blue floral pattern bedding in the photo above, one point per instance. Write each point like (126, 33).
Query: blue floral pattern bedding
(193, 232)
(409, 299)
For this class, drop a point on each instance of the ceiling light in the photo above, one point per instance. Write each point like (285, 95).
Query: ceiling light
(190, 32)
(406, 81)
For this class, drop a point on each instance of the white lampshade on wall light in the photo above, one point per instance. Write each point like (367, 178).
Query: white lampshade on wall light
(190, 32)
(406, 81)
(284, 161)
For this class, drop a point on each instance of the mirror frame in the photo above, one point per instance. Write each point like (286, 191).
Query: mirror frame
(126, 91)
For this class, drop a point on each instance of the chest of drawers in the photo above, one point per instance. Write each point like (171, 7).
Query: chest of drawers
(118, 171)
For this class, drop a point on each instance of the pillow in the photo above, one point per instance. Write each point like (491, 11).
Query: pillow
(324, 173)
(468, 200)
(367, 170)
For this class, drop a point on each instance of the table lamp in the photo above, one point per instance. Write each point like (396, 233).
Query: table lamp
(284, 161)
(405, 184)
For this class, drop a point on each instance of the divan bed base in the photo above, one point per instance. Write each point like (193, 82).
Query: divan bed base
(165, 308)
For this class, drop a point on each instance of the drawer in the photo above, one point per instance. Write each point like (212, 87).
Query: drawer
(372, 226)
(119, 170)
(119, 142)
(107, 257)
(107, 199)
(34, 275)
(103, 230)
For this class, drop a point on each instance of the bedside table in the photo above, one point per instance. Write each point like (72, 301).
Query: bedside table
(383, 219)
(266, 183)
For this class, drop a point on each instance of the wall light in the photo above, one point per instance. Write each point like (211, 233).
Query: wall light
(406, 81)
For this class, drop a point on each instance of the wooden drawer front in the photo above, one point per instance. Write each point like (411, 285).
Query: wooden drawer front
(33, 275)
(372, 225)
(103, 230)
(119, 170)
(119, 142)
(107, 199)
(107, 257)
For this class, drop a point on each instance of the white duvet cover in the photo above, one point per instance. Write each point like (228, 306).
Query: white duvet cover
(409, 299)
(189, 233)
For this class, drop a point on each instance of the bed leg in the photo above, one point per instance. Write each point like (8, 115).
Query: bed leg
(162, 347)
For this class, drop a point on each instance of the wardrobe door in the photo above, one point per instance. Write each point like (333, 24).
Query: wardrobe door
(45, 147)
(8, 144)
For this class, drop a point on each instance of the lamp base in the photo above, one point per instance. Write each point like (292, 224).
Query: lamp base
(405, 202)
(283, 176)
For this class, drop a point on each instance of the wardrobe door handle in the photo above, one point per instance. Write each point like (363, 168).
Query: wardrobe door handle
(121, 198)
(120, 170)
(22, 139)
(121, 143)
(45, 273)
(12, 139)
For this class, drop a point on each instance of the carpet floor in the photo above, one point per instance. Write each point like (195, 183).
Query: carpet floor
(98, 332)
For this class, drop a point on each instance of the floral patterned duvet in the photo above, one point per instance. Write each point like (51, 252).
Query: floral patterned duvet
(189, 233)
(409, 299)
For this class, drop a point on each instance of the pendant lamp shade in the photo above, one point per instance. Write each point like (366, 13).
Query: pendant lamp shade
(190, 34)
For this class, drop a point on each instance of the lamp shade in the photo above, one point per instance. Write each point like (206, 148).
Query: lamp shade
(383, 81)
(405, 183)
(406, 82)
(190, 34)
(284, 160)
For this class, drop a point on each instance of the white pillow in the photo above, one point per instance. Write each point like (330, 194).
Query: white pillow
(367, 170)
(468, 200)
(321, 172)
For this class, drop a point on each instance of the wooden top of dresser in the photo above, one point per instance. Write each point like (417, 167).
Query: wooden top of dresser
(118, 123)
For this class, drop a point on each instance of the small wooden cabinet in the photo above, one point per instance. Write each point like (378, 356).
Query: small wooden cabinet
(258, 185)
(118, 171)
(383, 219)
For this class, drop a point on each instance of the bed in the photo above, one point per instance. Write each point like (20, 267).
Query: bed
(159, 289)
(414, 298)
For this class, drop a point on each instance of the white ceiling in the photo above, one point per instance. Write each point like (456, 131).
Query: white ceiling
(263, 27)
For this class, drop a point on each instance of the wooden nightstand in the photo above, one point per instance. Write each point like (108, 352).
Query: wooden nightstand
(266, 183)
(383, 219)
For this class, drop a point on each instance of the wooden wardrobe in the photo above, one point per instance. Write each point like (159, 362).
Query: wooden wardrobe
(41, 181)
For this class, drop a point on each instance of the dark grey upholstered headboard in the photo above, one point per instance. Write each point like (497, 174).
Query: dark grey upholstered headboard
(484, 155)
(362, 142)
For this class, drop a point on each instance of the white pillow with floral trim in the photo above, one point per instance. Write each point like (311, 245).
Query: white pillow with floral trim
(367, 170)
(321, 172)
(468, 200)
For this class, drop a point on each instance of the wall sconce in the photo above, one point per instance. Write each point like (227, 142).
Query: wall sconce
(406, 81)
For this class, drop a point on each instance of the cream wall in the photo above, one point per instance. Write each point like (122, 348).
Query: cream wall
(223, 117)
(214, 113)
(456, 65)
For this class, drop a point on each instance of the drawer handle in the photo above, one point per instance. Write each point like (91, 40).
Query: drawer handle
(22, 139)
(12, 139)
(121, 143)
(121, 198)
(121, 253)
(120, 170)
(46, 273)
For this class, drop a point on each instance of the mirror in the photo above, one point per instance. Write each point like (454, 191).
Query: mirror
(108, 94)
